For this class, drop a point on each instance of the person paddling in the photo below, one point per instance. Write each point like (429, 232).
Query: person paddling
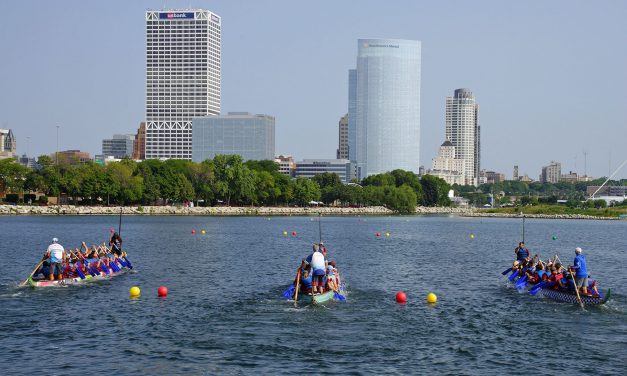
(521, 252)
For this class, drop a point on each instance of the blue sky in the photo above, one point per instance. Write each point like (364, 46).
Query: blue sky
(549, 76)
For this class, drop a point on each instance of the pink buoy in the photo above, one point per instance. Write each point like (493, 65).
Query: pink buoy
(401, 297)
(377, 234)
(293, 233)
(162, 291)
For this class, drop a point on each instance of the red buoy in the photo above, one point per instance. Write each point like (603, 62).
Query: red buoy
(377, 234)
(293, 233)
(193, 231)
(162, 291)
(401, 297)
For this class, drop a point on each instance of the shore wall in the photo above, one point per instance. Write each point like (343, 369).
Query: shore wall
(261, 211)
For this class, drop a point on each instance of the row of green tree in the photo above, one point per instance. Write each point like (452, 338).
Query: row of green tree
(225, 179)
(534, 193)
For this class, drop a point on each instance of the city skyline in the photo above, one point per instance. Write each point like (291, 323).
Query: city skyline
(567, 83)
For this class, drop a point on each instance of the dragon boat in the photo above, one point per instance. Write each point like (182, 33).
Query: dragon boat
(568, 296)
(75, 280)
(316, 299)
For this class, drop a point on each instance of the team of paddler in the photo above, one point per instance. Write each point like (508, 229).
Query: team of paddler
(553, 274)
(58, 263)
(316, 274)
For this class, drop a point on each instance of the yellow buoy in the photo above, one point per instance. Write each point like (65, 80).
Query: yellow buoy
(472, 236)
(284, 233)
(203, 232)
(387, 234)
(134, 292)
(431, 298)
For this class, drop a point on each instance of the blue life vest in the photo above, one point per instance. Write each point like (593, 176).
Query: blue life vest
(541, 273)
(307, 282)
(522, 253)
(580, 266)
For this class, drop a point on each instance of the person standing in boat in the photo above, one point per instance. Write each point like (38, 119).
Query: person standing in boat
(581, 271)
(319, 269)
(115, 243)
(521, 252)
(56, 257)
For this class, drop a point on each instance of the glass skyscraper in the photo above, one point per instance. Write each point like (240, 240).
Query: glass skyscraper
(463, 131)
(384, 94)
(237, 133)
(183, 60)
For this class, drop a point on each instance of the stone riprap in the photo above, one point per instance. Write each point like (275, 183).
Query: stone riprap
(262, 211)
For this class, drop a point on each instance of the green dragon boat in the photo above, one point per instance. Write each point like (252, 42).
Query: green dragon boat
(316, 299)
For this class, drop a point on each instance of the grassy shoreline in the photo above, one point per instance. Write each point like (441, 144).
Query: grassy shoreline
(540, 211)
(612, 212)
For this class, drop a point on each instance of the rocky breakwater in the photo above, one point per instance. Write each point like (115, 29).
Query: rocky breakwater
(544, 216)
(179, 210)
(213, 210)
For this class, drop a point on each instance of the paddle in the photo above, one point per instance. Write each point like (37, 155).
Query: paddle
(545, 284)
(77, 267)
(288, 292)
(506, 271)
(112, 262)
(128, 262)
(338, 296)
(521, 282)
(116, 259)
(576, 289)
(513, 276)
(298, 287)
(33, 272)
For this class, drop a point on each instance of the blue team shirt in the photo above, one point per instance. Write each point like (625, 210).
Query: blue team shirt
(580, 266)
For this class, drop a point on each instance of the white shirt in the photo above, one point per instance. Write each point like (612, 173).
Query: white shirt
(56, 252)
(317, 261)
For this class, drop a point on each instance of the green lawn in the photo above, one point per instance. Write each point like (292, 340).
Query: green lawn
(560, 209)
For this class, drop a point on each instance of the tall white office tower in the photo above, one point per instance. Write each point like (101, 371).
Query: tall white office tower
(182, 78)
(386, 100)
(463, 131)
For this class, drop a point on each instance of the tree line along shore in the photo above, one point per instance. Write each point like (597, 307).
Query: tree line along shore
(222, 181)
(252, 187)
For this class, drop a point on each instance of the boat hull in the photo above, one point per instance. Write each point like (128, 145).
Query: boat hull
(561, 296)
(73, 281)
(565, 297)
(316, 299)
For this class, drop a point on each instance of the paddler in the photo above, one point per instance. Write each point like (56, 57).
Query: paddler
(115, 242)
(56, 257)
(581, 271)
(319, 269)
(521, 252)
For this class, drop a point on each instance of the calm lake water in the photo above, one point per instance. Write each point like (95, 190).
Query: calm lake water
(224, 313)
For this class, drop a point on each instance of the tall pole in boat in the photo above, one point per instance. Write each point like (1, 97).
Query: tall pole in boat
(523, 227)
(320, 226)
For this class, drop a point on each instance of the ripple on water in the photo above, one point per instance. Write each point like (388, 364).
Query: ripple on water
(224, 314)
